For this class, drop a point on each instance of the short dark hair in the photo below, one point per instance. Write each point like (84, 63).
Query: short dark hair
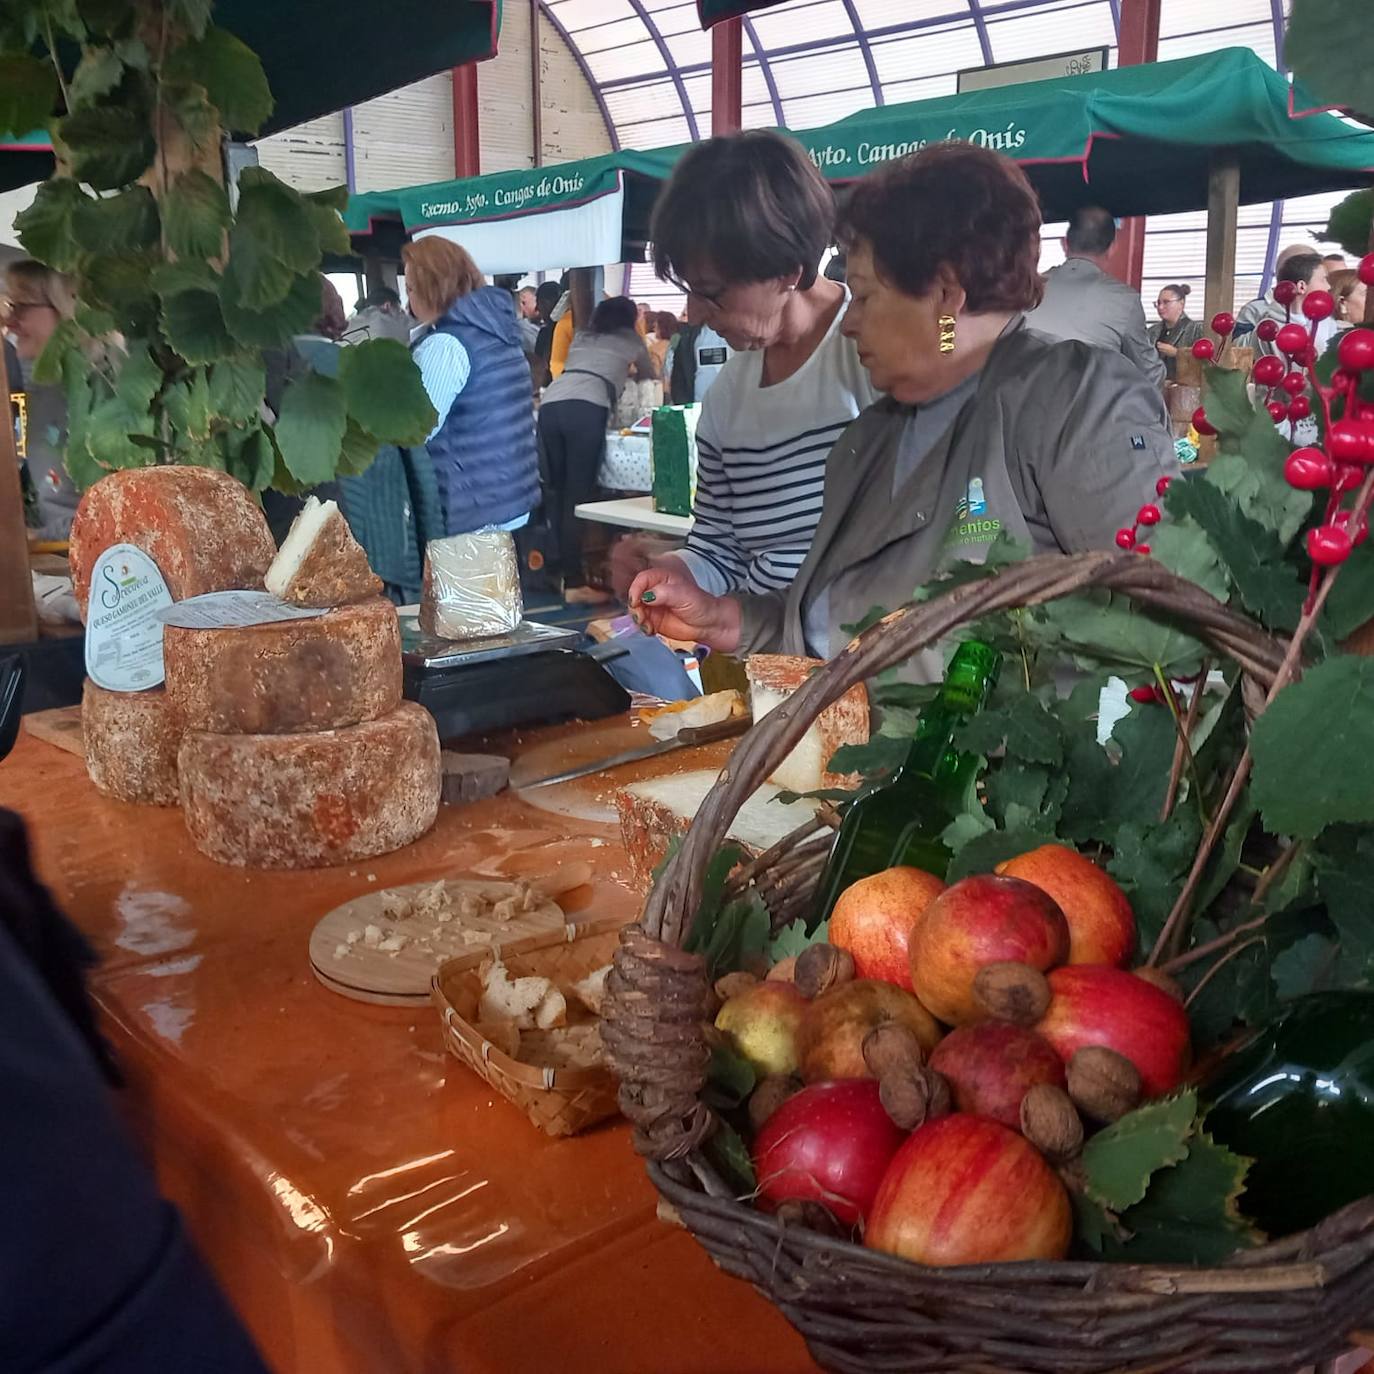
(665, 324)
(1300, 267)
(751, 205)
(619, 312)
(951, 205)
(381, 296)
(547, 295)
(1091, 230)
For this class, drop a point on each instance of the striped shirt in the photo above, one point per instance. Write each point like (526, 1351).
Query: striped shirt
(761, 453)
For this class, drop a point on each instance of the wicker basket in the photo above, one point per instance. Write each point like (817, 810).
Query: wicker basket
(560, 1101)
(1289, 1305)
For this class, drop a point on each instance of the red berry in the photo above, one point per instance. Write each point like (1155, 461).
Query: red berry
(1299, 408)
(1286, 292)
(1343, 381)
(1319, 305)
(1356, 350)
(1223, 322)
(1270, 371)
(1125, 539)
(1143, 693)
(1328, 545)
(1201, 423)
(1308, 469)
(1149, 515)
(1348, 442)
(1267, 331)
(1278, 412)
(1341, 520)
(1348, 477)
(1142, 548)
(1163, 485)
(1204, 350)
(1294, 384)
(1366, 270)
(1291, 339)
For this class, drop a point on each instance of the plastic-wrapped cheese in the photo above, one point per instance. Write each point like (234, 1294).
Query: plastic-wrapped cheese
(201, 527)
(289, 676)
(471, 586)
(310, 800)
(131, 741)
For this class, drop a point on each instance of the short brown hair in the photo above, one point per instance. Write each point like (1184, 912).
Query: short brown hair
(953, 205)
(439, 271)
(752, 206)
(1342, 282)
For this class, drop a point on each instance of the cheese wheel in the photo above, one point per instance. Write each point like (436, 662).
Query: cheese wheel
(131, 741)
(201, 527)
(289, 677)
(310, 800)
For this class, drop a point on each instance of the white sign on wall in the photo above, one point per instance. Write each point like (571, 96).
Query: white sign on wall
(1084, 62)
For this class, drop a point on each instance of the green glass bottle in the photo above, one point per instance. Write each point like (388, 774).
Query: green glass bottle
(901, 821)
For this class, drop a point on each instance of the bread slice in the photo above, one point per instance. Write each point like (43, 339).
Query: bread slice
(320, 563)
(775, 677)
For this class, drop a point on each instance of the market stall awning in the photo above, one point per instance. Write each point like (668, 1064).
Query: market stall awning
(1138, 140)
(713, 11)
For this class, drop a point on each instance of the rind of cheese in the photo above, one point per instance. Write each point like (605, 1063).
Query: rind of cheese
(320, 562)
(131, 742)
(773, 678)
(311, 800)
(288, 677)
(201, 527)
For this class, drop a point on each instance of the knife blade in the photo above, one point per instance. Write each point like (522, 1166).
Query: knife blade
(685, 738)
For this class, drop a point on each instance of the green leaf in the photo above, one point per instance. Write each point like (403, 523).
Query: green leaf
(794, 938)
(49, 366)
(1241, 993)
(1323, 47)
(196, 213)
(193, 15)
(194, 324)
(1182, 547)
(28, 92)
(94, 321)
(725, 1148)
(108, 432)
(47, 228)
(237, 386)
(259, 279)
(330, 198)
(122, 284)
(1303, 967)
(1093, 1223)
(1349, 223)
(983, 853)
(232, 75)
(198, 406)
(1229, 407)
(1029, 732)
(359, 450)
(965, 828)
(255, 461)
(331, 229)
(1151, 859)
(1345, 879)
(1120, 1161)
(310, 427)
(1255, 482)
(880, 757)
(274, 326)
(1305, 746)
(120, 223)
(279, 219)
(104, 17)
(108, 147)
(384, 391)
(140, 379)
(741, 931)
(1109, 632)
(730, 1078)
(192, 109)
(97, 74)
(171, 278)
(1104, 794)
(1350, 602)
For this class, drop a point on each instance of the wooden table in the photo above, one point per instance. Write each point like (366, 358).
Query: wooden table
(369, 1205)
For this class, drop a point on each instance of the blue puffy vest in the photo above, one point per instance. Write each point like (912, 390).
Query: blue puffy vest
(484, 455)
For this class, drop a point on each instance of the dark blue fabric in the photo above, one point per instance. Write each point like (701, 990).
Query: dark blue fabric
(485, 456)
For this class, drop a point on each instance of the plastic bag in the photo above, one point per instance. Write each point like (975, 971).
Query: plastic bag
(471, 586)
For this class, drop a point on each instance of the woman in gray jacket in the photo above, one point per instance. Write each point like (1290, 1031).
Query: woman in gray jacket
(986, 426)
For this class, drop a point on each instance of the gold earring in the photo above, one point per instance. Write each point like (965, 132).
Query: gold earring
(947, 325)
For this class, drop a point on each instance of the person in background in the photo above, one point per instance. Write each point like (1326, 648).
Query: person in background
(546, 297)
(694, 362)
(527, 308)
(1334, 262)
(39, 299)
(987, 426)
(660, 341)
(1308, 273)
(380, 315)
(1084, 301)
(1252, 312)
(741, 227)
(645, 321)
(483, 446)
(1350, 293)
(572, 427)
(1175, 332)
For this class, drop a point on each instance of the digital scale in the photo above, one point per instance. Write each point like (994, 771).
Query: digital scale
(535, 675)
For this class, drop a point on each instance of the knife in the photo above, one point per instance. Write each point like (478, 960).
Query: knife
(687, 736)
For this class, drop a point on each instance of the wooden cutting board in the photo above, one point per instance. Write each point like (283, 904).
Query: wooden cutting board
(362, 970)
(60, 727)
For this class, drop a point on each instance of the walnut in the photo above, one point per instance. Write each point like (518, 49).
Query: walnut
(1051, 1123)
(1103, 1084)
(1009, 991)
(821, 967)
(911, 1099)
(770, 1094)
(732, 984)
(784, 970)
(892, 1048)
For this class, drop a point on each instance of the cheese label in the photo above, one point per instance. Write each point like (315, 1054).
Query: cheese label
(225, 610)
(123, 632)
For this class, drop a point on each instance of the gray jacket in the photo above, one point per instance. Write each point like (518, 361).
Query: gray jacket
(1059, 446)
(1084, 302)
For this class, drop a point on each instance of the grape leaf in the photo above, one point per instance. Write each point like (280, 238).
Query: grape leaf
(794, 938)
(725, 1148)
(1108, 632)
(1183, 548)
(965, 828)
(1242, 992)
(1303, 967)
(730, 1078)
(1254, 480)
(1151, 859)
(1120, 1161)
(1029, 732)
(985, 852)
(1103, 795)
(1345, 878)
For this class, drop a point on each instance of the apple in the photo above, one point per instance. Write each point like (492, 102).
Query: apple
(830, 1143)
(1101, 922)
(873, 920)
(764, 1023)
(837, 1021)
(966, 1190)
(1094, 1004)
(981, 920)
(991, 1066)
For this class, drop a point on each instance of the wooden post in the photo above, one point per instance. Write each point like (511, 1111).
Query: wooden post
(467, 143)
(1138, 43)
(18, 619)
(1223, 204)
(727, 76)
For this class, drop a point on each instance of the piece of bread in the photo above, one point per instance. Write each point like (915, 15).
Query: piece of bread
(320, 563)
(773, 678)
(527, 1003)
(591, 990)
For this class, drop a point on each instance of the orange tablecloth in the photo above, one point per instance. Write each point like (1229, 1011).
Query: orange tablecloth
(369, 1205)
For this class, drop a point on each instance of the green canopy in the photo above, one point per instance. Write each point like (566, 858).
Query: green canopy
(1137, 140)
(713, 11)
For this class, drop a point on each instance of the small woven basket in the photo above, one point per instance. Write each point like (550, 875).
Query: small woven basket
(1287, 1306)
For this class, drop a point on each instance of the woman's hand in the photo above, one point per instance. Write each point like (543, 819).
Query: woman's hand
(665, 602)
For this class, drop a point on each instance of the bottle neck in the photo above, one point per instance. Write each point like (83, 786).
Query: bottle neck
(968, 683)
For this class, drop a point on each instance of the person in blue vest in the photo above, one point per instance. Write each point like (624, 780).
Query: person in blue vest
(483, 448)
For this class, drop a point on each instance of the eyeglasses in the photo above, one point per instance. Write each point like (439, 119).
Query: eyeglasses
(1166, 300)
(12, 308)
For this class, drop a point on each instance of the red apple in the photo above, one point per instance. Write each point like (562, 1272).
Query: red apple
(832, 1036)
(1101, 922)
(764, 1022)
(965, 1190)
(874, 917)
(1092, 1004)
(829, 1143)
(991, 1066)
(981, 920)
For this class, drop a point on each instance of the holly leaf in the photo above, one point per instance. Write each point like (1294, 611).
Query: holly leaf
(1322, 49)
(196, 213)
(725, 1148)
(237, 386)
(193, 322)
(273, 326)
(730, 1078)
(107, 147)
(794, 938)
(310, 427)
(28, 93)
(983, 853)
(232, 75)
(47, 228)
(384, 392)
(1303, 775)
(1151, 859)
(97, 74)
(117, 224)
(1029, 732)
(1120, 1161)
